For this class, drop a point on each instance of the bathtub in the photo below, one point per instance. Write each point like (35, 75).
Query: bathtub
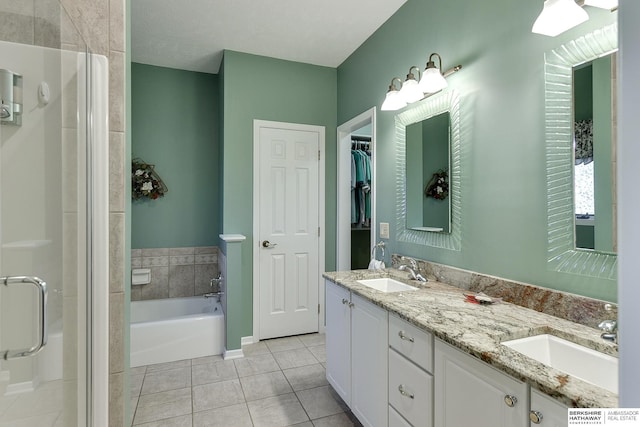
(167, 330)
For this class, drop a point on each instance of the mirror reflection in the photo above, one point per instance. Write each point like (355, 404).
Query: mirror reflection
(428, 164)
(594, 154)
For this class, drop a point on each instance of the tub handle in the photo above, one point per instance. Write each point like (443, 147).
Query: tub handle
(41, 285)
(216, 280)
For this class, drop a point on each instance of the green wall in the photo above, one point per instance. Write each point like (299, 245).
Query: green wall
(175, 127)
(504, 210)
(583, 93)
(263, 88)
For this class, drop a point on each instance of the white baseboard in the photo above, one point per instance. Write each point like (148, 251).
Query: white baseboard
(24, 387)
(232, 354)
(237, 354)
(4, 381)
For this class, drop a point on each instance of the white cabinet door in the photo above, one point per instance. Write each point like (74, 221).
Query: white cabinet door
(547, 411)
(338, 333)
(469, 392)
(369, 355)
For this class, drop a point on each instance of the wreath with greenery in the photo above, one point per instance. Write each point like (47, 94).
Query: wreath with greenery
(438, 186)
(145, 182)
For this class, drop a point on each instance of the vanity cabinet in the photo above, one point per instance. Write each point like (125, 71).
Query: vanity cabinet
(357, 352)
(410, 375)
(547, 412)
(338, 340)
(469, 392)
(390, 372)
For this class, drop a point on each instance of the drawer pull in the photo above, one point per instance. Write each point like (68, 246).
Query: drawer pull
(404, 337)
(535, 416)
(344, 301)
(351, 304)
(510, 400)
(404, 392)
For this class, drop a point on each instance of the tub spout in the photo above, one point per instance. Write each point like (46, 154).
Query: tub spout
(214, 295)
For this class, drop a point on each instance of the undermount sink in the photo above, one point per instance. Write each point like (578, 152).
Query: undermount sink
(576, 360)
(386, 284)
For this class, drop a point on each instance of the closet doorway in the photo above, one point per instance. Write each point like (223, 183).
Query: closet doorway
(356, 231)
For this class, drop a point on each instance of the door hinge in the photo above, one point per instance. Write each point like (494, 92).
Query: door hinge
(318, 308)
(318, 155)
(318, 231)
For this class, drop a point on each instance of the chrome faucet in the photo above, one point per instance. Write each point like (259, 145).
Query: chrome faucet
(219, 293)
(412, 270)
(609, 330)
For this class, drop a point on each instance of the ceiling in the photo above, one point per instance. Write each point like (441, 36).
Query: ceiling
(192, 34)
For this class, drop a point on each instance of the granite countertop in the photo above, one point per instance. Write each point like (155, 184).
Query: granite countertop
(478, 330)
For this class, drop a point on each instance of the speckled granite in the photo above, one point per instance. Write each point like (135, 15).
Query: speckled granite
(576, 308)
(478, 330)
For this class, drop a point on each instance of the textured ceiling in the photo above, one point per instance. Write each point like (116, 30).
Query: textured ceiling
(191, 34)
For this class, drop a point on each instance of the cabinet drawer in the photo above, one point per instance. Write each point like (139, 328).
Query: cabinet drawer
(417, 345)
(410, 391)
(396, 420)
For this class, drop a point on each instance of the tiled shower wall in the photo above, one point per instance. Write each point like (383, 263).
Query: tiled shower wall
(175, 272)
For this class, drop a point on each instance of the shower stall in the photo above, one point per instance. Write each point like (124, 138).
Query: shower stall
(53, 221)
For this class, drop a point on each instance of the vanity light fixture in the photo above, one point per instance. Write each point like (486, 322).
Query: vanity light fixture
(603, 4)
(412, 90)
(432, 78)
(393, 101)
(558, 16)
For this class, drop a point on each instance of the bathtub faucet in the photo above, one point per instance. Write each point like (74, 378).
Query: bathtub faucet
(216, 281)
(214, 294)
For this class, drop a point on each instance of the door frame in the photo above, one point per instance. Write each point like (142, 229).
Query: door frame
(343, 214)
(257, 125)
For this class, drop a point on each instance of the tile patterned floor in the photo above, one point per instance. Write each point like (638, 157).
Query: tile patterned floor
(279, 382)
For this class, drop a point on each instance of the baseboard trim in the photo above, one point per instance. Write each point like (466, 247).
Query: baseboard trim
(232, 354)
(246, 341)
(19, 388)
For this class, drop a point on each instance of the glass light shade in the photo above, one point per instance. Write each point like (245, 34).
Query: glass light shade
(410, 91)
(558, 16)
(393, 101)
(432, 80)
(603, 4)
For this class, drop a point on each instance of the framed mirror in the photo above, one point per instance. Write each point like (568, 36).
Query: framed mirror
(427, 158)
(562, 254)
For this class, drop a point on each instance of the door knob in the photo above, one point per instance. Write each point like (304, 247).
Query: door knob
(267, 244)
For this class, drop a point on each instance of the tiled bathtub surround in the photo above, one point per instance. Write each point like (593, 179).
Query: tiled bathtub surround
(576, 308)
(175, 272)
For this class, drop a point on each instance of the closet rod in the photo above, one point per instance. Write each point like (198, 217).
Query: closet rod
(361, 138)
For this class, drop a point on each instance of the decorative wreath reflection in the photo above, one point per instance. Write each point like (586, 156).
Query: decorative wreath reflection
(145, 182)
(438, 185)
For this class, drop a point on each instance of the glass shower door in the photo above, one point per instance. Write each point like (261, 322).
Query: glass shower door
(43, 222)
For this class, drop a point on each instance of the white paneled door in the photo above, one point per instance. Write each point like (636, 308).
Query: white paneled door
(288, 235)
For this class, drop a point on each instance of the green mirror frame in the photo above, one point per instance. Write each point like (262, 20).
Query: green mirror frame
(432, 106)
(562, 255)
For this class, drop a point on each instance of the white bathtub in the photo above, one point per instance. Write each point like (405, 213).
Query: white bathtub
(172, 329)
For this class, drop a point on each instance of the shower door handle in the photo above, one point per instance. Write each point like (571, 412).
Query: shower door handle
(41, 286)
